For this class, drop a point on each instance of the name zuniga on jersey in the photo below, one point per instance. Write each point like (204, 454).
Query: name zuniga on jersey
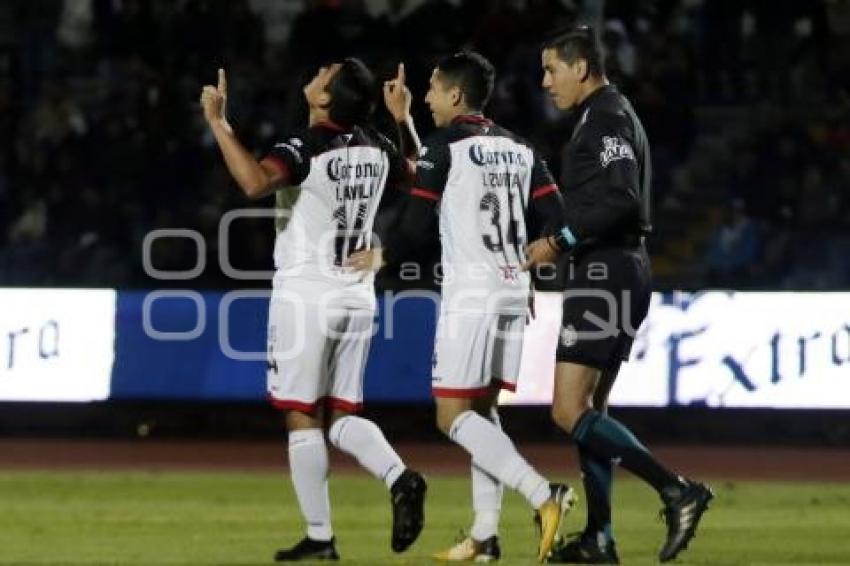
(341, 171)
(509, 177)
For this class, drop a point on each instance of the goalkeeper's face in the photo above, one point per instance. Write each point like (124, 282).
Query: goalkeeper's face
(316, 91)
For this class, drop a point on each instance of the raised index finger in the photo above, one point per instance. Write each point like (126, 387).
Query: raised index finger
(222, 81)
(400, 75)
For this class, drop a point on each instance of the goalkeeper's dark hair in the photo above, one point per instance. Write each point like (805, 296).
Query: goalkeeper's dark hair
(353, 93)
(472, 73)
(580, 42)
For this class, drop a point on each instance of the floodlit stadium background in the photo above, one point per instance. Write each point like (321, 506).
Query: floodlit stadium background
(127, 355)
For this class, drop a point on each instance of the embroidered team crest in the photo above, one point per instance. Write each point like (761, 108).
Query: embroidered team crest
(615, 149)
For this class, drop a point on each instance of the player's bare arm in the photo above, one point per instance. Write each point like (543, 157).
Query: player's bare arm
(256, 179)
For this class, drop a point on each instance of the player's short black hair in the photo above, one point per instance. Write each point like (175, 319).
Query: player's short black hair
(353, 93)
(580, 42)
(472, 73)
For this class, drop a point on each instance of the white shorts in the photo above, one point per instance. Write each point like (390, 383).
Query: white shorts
(473, 352)
(316, 356)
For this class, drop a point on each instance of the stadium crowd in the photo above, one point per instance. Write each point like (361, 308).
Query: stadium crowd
(746, 104)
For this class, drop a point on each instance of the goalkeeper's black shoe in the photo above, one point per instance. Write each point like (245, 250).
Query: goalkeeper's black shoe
(584, 548)
(408, 499)
(683, 509)
(308, 549)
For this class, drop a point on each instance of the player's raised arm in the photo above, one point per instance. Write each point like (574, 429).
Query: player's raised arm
(397, 98)
(254, 178)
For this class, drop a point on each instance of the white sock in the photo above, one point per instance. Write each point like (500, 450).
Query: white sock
(364, 440)
(487, 504)
(308, 465)
(486, 498)
(493, 452)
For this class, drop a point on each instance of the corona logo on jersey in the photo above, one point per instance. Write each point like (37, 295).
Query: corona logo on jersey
(340, 169)
(511, 177)
(482, 157)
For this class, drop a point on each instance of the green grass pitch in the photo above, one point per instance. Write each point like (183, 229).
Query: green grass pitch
(241, 518)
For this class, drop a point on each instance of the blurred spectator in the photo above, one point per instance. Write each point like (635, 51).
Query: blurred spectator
(779, 239)
(733, 249)
(621, 60)
(75, 24)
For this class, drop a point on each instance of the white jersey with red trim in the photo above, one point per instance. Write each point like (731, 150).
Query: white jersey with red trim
(484, 179)
(341, 176)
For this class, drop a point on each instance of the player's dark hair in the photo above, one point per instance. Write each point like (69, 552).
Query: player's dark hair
(472, 73)
(353, 93)
(576, 43)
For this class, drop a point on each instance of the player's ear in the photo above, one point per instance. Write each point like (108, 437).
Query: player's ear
(457, 96)
(583, 70)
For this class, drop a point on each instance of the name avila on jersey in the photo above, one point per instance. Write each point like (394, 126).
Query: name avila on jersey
(340, 169)
(359, 191)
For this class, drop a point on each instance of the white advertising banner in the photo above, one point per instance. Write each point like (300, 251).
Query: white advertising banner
(56, 344)
(716, 349)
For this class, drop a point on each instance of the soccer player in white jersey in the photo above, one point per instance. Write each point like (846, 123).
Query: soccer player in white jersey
(321, 312)
(489, 193)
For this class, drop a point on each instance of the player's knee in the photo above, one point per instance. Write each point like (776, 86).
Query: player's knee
(561, 417)
(446, 415)
(566, 414)
(445, 420)
(296, 420)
